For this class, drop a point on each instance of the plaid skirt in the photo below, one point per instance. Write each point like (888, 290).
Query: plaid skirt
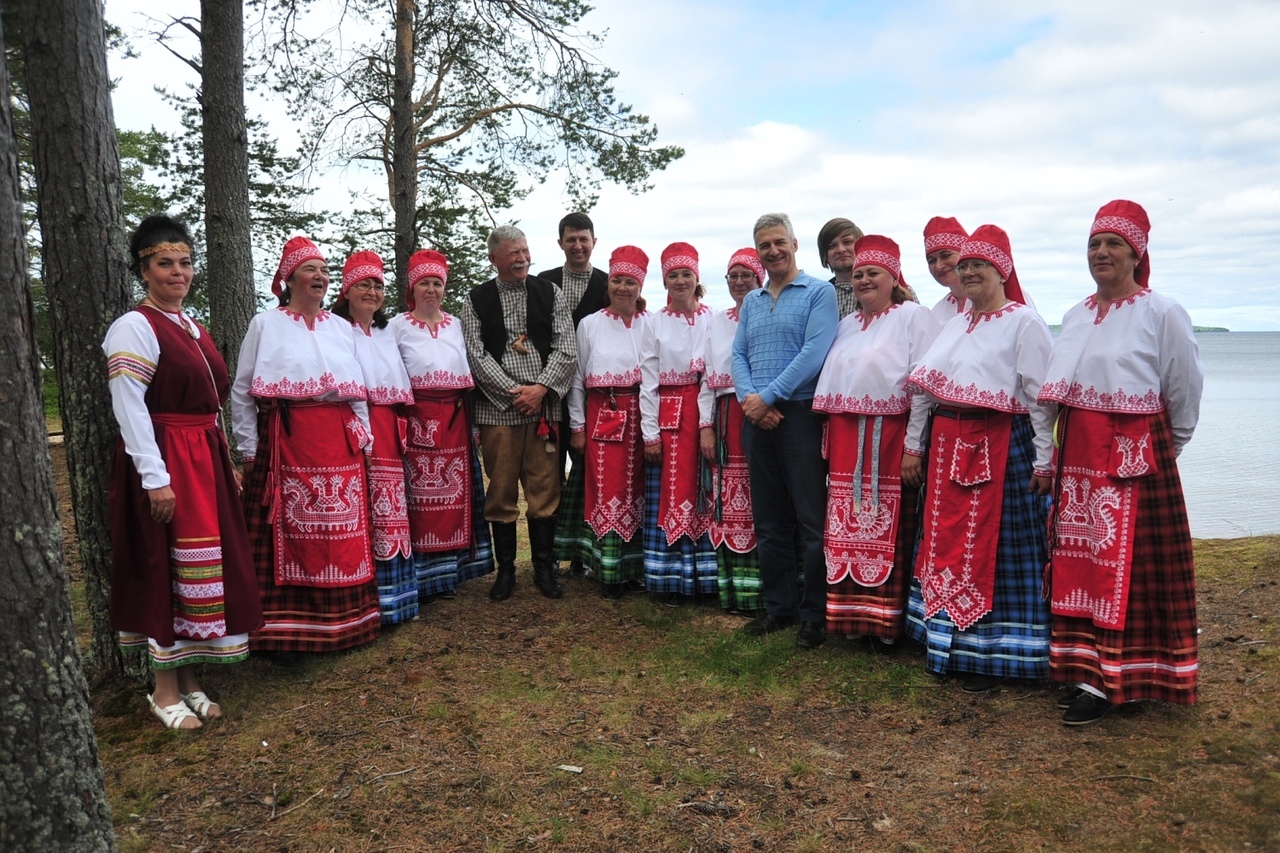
(572, 529)
(686, 566)
(441, 573)
(397, 589)
(879, 611)
(300, 618)
(1013, 639)
(1155, 656)
(738, 577)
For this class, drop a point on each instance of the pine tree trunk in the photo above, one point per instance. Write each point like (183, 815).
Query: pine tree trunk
(51, 789)
(77, 169)
(229, 254)
(404, 157)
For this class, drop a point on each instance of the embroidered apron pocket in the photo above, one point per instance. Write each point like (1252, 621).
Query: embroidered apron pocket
(669, 412)
(1131, 452)
(610, 425)
(971, 463)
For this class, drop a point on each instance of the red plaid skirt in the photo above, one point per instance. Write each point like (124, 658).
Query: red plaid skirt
(1155, 655)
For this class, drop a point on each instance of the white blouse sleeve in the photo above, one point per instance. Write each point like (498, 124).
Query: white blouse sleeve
(1035, 344)
(244, 410)
(578, 387)
(132, 354)
(1181, 374)
(921, 332)
(649, 368)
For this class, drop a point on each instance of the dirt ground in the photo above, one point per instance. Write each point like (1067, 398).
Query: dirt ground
(586, 725)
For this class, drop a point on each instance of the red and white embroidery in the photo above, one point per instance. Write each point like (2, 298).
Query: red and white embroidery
(441, 380)
(1075, 394)
(444, 323)
(1087, 515)
(864, 405)
(937, 383)
(683, 377)
(388, 505)
(422, 432)
(1133, 461)
(691, 319)
(976, 317)
(1125, 228)
(311, 387)
(320, 503)
(609, 379)
(719, 380)
(385, 395)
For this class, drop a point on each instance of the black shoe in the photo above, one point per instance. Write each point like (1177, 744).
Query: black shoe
(614, 591)
(767, 624)
(976, 684)
(1065, 700)
(1086, 710)
(577, 570)
(504, 551)
(542, 545)
(812, 635)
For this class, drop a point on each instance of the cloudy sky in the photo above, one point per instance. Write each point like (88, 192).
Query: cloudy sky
(1025, 113)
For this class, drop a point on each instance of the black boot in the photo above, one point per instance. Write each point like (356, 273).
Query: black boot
(504, 551)
(542, 544)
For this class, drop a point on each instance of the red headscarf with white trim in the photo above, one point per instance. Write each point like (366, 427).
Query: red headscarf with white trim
(359, 266)
(423, 264)
(296, 252)
(991, 244)
(679, 256)
(629, 261)
(748, 258)
(943, 232)
(1129, 220)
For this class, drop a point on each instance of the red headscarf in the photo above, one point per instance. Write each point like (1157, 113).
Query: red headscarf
(680, 256)
(359, 266)
(748, 258)
(422, 264)
(630, 261)
(1129, 220)
(943, 232)
(991, 244)
(298, 250)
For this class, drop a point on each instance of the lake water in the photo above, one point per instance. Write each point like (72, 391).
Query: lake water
(1231, 469)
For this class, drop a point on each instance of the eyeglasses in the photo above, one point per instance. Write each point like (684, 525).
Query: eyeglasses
(740, 276)
(972, 265)
(366, 286)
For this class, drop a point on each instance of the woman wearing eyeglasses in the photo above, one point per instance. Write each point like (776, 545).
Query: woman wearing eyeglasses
(450, 539)
(976, 603)
(361, 301)
(733, 530)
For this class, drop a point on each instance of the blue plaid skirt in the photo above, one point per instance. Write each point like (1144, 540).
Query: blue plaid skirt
(686, 567)
(397, 589)
(1013, 639)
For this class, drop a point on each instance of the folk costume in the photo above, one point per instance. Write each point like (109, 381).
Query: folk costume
(871, 514)
(185, 590)
(299, 413)
(945, 232)
(1128, 377)
(449, 537)
(604, 406)
(389, 392)
(675, 404)
(976, 601)
(733, 529)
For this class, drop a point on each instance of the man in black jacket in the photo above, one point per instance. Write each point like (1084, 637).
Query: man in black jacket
(584, 291)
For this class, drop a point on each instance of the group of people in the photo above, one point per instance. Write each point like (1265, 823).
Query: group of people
(827, 454)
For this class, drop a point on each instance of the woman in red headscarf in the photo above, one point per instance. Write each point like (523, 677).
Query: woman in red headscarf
(361, 301)
(976, 601)
(1127, 374)
(451, 541)
(604, 419)
(300, 417)
(677, 427)
(871, 512)
(943, 238)
(733, 529)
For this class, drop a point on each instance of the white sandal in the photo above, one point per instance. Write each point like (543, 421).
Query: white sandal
(197, 701)
(172, 716)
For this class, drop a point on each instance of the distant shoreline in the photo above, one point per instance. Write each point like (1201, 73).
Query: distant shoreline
(1057, 327)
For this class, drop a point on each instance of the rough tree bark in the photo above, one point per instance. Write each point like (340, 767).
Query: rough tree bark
(51, 790)
(86, 275)
(229, 253)
(404, 156)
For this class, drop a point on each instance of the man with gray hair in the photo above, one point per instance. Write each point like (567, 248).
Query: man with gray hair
(784, 331)
(835, 252)
(521, 348)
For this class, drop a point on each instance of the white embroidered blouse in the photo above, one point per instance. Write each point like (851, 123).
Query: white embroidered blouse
(990, 360)
(947, 309)
(1140, 358)
(385, 378)
(870, 361)
(282, 357)
(719, 357)
(435, 359)
(609, 355)
(674, 349)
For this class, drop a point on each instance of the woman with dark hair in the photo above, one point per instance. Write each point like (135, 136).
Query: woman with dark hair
(604, 423)
(445, 490)
(173, 486)
(733, 530)
(361, 301)
(677, 427)
(976, 604)
(301, 419)
(1127, 373)
(871, 505)
(944, 236)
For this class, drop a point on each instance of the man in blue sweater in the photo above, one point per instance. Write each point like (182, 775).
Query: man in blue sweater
(784, 332)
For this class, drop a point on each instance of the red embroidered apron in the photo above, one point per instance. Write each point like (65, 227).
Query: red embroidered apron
(679, 495)
(864, 498)
(1095, 497)
(387, 501)
(968, 452)
(317, 495)
(732, 524)
(614, 487)
(437, 465)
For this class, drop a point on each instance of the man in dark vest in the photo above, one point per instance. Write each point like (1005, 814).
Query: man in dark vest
(583, 289)
(522, 352)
